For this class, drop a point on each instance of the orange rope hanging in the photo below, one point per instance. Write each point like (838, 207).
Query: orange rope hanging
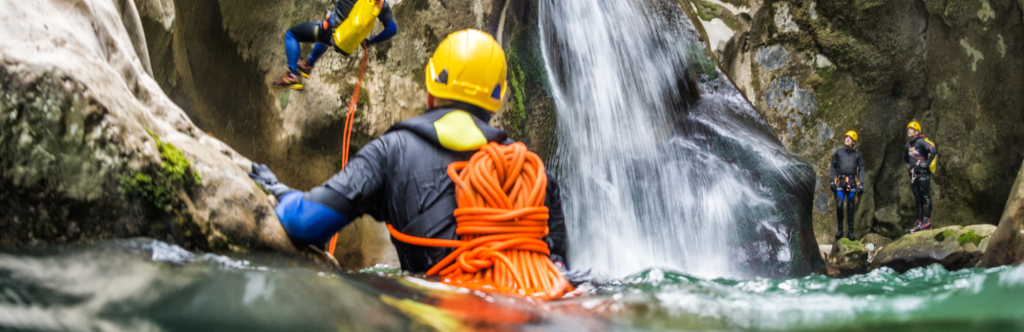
(348, 133)
(501, 219)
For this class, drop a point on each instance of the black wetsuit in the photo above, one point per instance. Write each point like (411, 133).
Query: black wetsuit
(917, 156)
(401, 178)
(847, 174)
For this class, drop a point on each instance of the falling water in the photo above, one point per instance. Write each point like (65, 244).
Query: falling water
(653, 174)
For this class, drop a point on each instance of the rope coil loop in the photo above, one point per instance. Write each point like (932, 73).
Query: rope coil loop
(501, 220)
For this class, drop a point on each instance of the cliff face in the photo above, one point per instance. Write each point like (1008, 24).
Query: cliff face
(216, 59)
(92, 148)
(817, 69)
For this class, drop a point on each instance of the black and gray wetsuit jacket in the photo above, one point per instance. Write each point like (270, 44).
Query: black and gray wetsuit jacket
(401, 178)
(918, 155)
(847, 163)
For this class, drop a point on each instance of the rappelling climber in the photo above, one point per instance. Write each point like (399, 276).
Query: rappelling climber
(919, 157)
(847, 174)
(344, 28)
(401, 177)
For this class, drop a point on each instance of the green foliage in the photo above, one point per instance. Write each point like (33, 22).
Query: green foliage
(970, 236)
(516, 113)
(159, 185)
(851, 245)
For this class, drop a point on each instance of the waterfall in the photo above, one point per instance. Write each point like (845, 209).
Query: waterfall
(650, 177)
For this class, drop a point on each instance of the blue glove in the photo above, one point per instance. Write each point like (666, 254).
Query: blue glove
(262, 175)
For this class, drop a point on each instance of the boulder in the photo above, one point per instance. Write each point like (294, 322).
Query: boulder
(1006, 246)
(816, 69)
(91, 148)
(955, 247)
(848, 257)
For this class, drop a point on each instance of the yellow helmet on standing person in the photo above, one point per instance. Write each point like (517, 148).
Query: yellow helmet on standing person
(468, 66)
(915, 125)
(852, 134)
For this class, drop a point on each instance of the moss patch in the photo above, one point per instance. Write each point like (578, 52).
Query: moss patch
(970, 236)
(516, 113)
(942, 236)
(159, 185)
(851, 245)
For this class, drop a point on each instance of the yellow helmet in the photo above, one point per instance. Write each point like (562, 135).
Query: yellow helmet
(468, 66)
(915, 125)
(852, 134)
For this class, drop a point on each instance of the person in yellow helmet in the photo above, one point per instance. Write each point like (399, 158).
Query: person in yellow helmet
(847, 175)
(342, 29)
(919, 157)
(401, 177)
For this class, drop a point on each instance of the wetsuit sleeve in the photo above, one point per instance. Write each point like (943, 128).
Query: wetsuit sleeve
(933, 151)
(308, 222)
(359, 187)
(906, 156)
(558, 236)
(390, 28)
(860, 170)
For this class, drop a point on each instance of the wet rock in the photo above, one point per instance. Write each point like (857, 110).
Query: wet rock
(92, 148)
(877, 240)
(1006, 246)
(848, 257)
(954, 247)
(825, 250)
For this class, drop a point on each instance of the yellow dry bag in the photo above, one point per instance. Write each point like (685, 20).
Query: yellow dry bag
(357, 26)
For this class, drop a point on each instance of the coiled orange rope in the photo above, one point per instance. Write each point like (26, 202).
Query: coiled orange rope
(348, 133)
(501, 219)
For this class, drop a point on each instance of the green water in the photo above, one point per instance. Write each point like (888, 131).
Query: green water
(145, 285)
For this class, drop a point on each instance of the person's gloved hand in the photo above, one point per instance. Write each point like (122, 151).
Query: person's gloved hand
(860, 189)
(262, 175)
(833, 187)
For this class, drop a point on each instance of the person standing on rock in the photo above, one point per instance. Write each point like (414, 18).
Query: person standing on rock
(847, 174)
(345, 27)
(402, 178)
(919, 157)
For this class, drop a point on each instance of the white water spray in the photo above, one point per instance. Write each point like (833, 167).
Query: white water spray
(635, 195)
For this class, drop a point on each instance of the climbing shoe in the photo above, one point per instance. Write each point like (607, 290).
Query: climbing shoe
(927, 224)
(839, 235)
(917, 227)
(850, 235)
(289, 80)
(305, 68)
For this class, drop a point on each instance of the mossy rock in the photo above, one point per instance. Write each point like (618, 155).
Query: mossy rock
(954, 247)
(848, 257)
(160, 185)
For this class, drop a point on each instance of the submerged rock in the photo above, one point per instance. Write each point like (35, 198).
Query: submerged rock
(91, 148)
(954, 247)
(1006, 246)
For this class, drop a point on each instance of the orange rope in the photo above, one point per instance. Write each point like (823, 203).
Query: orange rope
(501, 219)
(348, 133)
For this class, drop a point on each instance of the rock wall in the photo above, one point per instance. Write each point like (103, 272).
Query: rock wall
(816, 69)
(1007, 244)
(92, 148)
